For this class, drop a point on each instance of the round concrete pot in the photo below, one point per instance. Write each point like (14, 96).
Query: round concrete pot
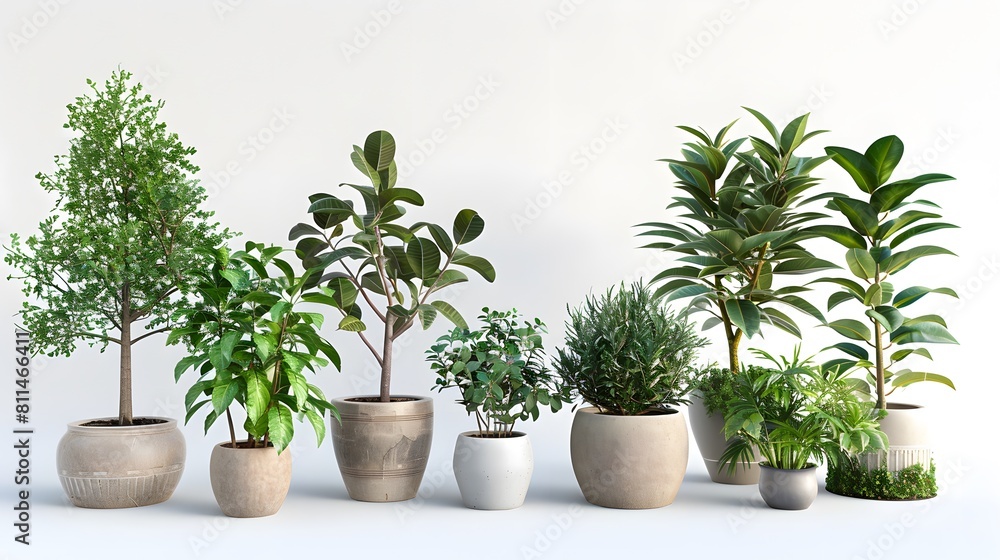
(791, 489)
(493, 473)
(907, 427)
(108, 467)
(708, 434)
(382, 448)
(251, 482)
(629, 462)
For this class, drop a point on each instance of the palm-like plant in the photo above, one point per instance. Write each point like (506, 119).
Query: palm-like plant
(797, 415)
(880, 225)
(741, 228)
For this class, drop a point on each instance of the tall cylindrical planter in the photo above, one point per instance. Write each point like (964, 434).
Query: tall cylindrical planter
(908, 430)
(791, 489)
(120, 466)
(250, 482)
(493, 473)
(629, 462)
(708, 434)
(382, 448)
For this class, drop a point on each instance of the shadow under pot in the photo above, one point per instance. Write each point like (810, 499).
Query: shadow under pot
(382, 448)
(492, 472)
(103, 465)
(629, 462)
(250, 481)
(791, 489)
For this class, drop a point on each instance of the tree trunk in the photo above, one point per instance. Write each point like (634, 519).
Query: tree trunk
(879, 367)
(734, 352)
(390, 319)
(125, 387)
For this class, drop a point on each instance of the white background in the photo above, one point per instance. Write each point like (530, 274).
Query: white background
(489, 103)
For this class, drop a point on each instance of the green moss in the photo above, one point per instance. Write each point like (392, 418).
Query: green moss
(849, 478)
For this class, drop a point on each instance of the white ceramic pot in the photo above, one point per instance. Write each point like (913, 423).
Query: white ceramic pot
(629, 462)
(250, 482)
(907, 427)
(493, 473)
(120, 466)
(791, 489)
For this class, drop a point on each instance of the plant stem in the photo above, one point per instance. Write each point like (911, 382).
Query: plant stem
(125, 381)
(232, 430)
(879, 367)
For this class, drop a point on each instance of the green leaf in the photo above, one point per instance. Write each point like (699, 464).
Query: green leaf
(803, 265)
(388, 196)
(926, 332)
(861, 263)
(227, 344)
(299, 385)
(888, 316)
(857, 166)
(478, 264)
(861, 215)
(450, 313)
(901, 354)
(884, 154)
(773, 130)
(838, 298)
(238, 279)
(911, 377)
(850, 285)
(468, 225)
(265, 345)
(685, 292)
(319, 426)
(851, 328)
(891, 196)
(186, 363)
(279, 310)
(298, 230)
(350, 323)
(791, 136)
(843, 235)
(426, 314)
(380, 149)
(902, 259)
(423, 257)
(873, 296)
(917, 230)
(911, 295)
(258, 395)
(449, 277)
(279, 426)
(223, 395)
(851, 350)
(745, 315)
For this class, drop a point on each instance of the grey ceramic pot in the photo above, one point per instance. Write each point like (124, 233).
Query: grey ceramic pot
(792, 489)
(382, 448)
(707, 429)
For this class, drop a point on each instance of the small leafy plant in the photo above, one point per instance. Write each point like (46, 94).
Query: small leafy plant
(626, 354)
(398, 268)
(112, 262)
(880, 225)
(796, 416)
(500, 370)
(251, 344)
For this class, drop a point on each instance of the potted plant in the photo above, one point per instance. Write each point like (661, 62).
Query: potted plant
(631, 360)
(796, 417)
(251, 344)
(878, 227)
(501, 372)
(741, 228)
(110, 266)
(383, 441)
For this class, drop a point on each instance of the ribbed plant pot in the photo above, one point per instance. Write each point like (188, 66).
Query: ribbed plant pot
(708, 434)
(107, 467)
(382, 448)
(791, 489)
(629, 462)
(493, 473)
(250, 482)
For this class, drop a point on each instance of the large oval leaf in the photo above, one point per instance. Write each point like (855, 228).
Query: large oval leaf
(910, 377)
(468, 225)
(851, 328)
(861, 263)
(745, 315)
(884, 154)
(424, 257)
(380, 149)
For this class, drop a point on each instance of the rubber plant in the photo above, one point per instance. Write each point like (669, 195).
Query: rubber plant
(116, 254)
(879, 227)
(251, 343)
(740, 227)
(395, 270)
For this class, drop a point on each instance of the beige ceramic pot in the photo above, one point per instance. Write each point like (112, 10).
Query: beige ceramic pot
(120, 466)
(629, 462)
(382, 448)
(250, 482)
(707, 429)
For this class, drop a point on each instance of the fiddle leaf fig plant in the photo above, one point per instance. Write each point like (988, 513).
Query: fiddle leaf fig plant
(740, 228)
(392, 269)
(113, 261)
(251, 343)
(878, 234)
(500, 370)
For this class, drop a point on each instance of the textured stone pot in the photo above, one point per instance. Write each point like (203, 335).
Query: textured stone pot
(120, 466)
(493, 473)
(907, 427)
(250, 482)
(708, 434)
(791, 489)
(382, 448)
(629, 462)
